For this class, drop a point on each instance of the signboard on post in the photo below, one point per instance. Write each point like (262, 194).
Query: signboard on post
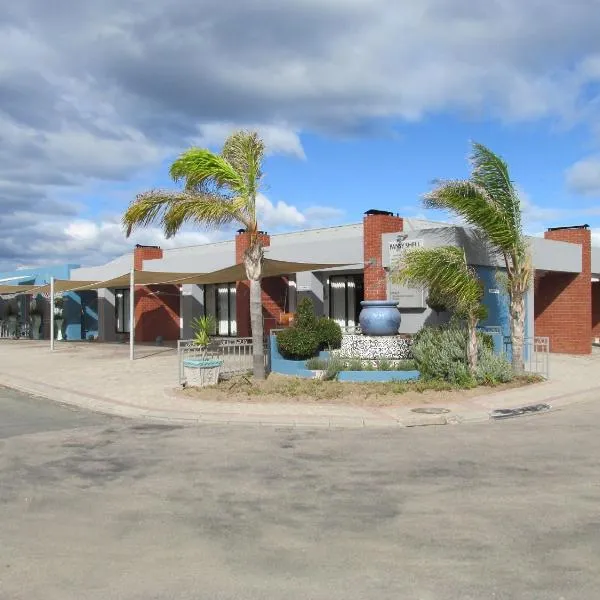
(406, 297)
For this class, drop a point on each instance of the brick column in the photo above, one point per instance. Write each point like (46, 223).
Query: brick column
(375, 224)
(242, 296)
(156, 306)
(563, 301)
(142, 253)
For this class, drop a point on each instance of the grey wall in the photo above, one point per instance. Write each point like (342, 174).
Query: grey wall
(547, 255)
(595, 261)
(195, 259)
(112, 269)
(106, 315)
(192, 301)
(310, 285)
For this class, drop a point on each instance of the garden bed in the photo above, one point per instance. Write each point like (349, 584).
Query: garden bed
(281, 388)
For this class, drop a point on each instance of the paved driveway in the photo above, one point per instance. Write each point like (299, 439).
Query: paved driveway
(98, 508)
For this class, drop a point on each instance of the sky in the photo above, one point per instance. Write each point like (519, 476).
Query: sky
(362, 103)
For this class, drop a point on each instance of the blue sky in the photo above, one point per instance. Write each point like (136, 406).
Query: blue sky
(361, 103)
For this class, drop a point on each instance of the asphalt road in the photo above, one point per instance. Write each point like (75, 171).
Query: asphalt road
(99, 508)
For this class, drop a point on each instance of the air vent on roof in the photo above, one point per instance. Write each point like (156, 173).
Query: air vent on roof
(374, 211)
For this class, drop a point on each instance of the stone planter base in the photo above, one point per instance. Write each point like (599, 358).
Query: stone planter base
(367, 347)
(202, 372)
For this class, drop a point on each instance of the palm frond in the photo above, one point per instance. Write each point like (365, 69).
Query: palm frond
(444, 270)
(199, 166)
(171, 209)
(474, 204)
(245, 151)
(490, 172)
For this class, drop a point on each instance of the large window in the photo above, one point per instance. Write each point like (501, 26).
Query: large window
(122, 324)
(220, 303)
(345, 296)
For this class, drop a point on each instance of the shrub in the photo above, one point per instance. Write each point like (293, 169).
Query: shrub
(334, 366)
(440, 353)
(492, 369)
(305, 315)
(329, 333)
(296, 343)
(316, 364)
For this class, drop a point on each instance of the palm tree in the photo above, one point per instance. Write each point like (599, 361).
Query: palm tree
(444, 271)
(219, 189)
(489, 202)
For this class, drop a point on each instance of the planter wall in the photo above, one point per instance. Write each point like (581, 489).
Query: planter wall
(285, 366)
(377, 376)
(367, 347)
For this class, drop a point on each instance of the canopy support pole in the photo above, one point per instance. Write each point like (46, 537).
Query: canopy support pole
(131, 314)
(51, 313)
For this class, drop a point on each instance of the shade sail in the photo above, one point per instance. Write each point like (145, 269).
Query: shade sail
(19, 289)
(271, 268)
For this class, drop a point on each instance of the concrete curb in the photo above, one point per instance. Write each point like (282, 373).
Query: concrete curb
(121, 409)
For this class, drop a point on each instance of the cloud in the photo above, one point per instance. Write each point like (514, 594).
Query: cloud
(584, 177)
(282, 215)
(279, 139)
(93, 93)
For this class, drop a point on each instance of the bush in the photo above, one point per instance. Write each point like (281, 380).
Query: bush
(329, 333)
(305, 315)
(317, 364)
(492, 369)
(440, 353)
(296, 343)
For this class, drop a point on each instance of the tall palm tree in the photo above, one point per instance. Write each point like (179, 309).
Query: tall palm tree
(219, 189)
(489, 202)
(444, 271)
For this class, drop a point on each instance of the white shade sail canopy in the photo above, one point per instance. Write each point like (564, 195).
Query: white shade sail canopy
(271, 268)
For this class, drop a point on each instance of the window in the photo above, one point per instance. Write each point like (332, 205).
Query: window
(345, 296)
(220, 303)
(122, 310)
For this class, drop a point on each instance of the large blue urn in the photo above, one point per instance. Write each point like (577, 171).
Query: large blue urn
(379, 317)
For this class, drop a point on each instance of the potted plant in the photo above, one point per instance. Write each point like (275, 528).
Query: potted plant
(204, 370)
(35, 319)
(58, 317)
(11, 314)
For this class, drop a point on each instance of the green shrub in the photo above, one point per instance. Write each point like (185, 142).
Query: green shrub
(329, 333)
(297, 344)
(316, 364)
(305, 315)
(334, 366)
(440, 353)
(355, 364)
(492, 369)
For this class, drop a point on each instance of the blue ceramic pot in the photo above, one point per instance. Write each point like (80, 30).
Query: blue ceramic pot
(379, 317)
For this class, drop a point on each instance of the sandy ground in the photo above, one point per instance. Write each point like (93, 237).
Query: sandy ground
(285, 389)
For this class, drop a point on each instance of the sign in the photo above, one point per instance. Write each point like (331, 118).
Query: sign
(399, 247)
(406, 297)
(303, 288)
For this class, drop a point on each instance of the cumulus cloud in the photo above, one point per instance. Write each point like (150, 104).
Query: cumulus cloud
(101, 91)
(584, 176)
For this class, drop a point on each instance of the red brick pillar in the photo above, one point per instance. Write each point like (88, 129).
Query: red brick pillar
(375, 224)
(156, 306)
(242, 241)
(563, 301)
(142, 253)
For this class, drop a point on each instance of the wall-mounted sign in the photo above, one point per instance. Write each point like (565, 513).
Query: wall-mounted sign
(399, 247)
(494, 291)
(303, 288)
(406, 297)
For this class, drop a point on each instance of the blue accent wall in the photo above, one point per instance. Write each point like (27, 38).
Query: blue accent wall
(80, 308)
(497, 304)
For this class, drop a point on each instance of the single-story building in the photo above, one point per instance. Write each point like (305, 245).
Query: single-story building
(563, 303)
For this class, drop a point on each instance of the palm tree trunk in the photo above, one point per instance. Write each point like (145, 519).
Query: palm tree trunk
(253, 258)
(472, 344)
(517, 333)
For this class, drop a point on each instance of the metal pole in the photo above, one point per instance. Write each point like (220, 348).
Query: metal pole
(131, 313)
(51, 313)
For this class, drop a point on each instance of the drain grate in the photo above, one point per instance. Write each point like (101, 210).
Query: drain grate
(506, 413)
(430, 411)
